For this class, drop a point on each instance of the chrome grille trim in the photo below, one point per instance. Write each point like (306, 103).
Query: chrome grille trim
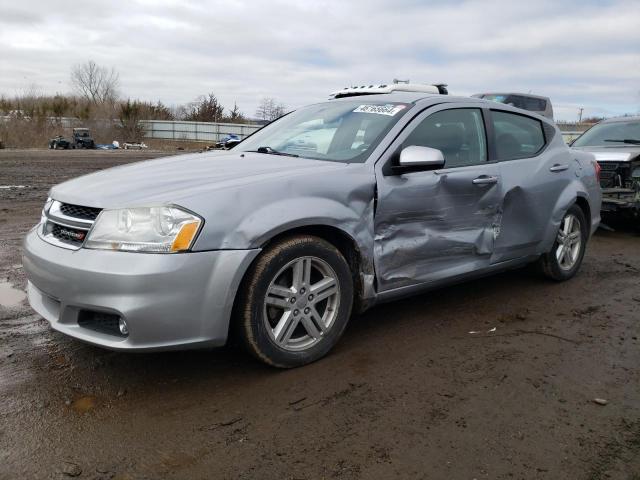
(56, 215)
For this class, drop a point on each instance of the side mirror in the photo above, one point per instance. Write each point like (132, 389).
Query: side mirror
(416, 158)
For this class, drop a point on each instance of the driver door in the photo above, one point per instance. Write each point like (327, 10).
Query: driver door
(438, 224)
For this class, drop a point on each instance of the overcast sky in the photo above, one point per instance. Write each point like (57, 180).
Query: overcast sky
(578, 52)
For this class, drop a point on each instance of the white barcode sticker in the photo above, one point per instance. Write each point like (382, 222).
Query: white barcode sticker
(388, 109)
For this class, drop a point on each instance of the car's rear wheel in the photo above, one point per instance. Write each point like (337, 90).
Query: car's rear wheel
(565, 257)
(295, 302)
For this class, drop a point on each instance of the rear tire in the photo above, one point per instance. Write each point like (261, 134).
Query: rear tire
(295, 302)
(565, 257)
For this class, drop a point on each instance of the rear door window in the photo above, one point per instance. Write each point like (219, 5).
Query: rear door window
(516, 136)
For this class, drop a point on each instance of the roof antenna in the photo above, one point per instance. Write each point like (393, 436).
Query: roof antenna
(396, 81)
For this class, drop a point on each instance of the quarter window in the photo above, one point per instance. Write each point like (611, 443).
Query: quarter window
(459, 134)
(517, 136)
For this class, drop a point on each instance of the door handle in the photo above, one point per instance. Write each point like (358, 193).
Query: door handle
(485, 180)
(558, 168)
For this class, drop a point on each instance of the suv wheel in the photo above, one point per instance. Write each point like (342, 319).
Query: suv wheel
(565, 257)
(295, 302)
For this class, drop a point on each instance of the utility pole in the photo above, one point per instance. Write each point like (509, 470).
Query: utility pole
(580, 115)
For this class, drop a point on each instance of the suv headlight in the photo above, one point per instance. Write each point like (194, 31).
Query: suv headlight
(146, 229)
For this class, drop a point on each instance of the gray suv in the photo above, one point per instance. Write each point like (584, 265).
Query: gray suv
(325, 212)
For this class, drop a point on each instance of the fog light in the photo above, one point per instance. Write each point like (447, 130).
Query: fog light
(122, 325)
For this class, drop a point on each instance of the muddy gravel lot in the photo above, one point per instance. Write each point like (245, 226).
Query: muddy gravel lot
(408, 393)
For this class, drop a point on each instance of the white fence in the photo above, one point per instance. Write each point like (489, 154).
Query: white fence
(195, 131)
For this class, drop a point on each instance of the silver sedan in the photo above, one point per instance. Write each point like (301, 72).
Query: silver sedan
(327, 211)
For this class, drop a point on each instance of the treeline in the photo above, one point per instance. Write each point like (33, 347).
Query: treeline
(206, 108)
(32, 117)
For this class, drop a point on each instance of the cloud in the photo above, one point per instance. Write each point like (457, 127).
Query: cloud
(580, 53)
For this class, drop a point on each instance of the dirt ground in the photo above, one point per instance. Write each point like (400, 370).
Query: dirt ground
(409, 392)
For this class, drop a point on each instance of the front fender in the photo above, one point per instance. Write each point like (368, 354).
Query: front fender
(281, 216)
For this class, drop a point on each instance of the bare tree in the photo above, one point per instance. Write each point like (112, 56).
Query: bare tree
(97, 84)
(279, 110)
(269, 109)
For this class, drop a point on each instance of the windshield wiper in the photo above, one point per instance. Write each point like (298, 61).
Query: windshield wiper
(626, 140)
(271, 151)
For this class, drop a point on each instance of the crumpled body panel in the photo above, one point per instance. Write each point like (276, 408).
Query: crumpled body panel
(431, 225)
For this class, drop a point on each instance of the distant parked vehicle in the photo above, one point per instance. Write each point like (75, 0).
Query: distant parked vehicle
(616, 145)
(82, 138)
(533, 103)
(134, 145)
(228, 141)
(59, 142)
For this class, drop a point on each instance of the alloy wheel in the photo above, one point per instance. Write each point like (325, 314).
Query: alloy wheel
(569, 242)
(301, 303)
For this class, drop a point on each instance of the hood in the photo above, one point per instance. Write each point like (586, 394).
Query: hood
(172, 179)
(614, 153)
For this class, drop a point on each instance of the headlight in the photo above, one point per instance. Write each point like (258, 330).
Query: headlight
(149, 229)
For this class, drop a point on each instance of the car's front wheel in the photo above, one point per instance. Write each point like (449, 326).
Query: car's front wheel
(565, 257)
(295, 302)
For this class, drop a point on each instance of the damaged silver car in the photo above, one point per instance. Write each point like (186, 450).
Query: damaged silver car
(616, 145)
(327, 211)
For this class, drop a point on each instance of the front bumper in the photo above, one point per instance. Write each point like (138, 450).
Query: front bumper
(169, 301)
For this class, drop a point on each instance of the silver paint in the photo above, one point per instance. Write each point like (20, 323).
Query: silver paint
(412, 231)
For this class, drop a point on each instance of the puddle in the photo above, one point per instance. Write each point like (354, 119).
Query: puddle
(10, 296)
(84, 404)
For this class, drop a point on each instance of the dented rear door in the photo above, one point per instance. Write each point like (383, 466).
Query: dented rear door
(534, 172)
(434, 225)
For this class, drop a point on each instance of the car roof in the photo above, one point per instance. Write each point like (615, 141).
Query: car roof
(427, 99)
(513, 93)
(408, 97)
(634, 118)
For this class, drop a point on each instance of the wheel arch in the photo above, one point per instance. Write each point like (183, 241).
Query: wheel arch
(340, 239)
(583, 203)
(573, 194)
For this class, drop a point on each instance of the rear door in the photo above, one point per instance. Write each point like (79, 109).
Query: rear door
(433, 225)
(534, 172)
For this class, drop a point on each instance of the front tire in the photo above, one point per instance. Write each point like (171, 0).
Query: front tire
(295, 302)
(565, 257)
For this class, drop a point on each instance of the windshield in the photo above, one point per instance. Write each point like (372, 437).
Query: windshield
(614, 134)
(339, 131)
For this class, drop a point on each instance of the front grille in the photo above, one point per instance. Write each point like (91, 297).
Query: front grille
(100, 322)
(72, 236)
(66, 225)
(608, 166)
(76, 211)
